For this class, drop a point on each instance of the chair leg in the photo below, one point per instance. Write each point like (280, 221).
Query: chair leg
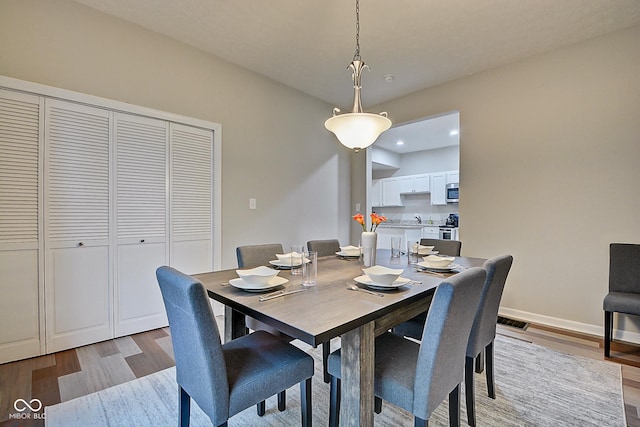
(377, 404)
(469, 392)
(334, 402)
(326, 349)
(419, 422)
(185, 407)
(480, 363)
(282, 400)
(261, 408)
(608, 332)
(491, 386)
(454, 407)
(305, 402)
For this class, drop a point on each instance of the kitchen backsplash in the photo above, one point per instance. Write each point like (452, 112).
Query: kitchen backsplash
(418, 205)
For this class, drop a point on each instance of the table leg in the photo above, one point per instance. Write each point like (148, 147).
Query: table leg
(234, 325)
(357, 354)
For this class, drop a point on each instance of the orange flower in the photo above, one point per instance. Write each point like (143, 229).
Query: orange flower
(360, 220)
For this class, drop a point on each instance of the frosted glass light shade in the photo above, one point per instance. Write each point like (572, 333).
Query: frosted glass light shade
(357, 130)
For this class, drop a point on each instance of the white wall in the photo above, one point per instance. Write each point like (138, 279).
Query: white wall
(549, 172)
(274, 145)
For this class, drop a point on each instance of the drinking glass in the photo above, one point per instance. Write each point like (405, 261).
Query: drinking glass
(395, 247)
(412, 252)
(309, 268)
(295, 267)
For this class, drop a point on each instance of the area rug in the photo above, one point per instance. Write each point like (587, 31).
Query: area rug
(535, 386)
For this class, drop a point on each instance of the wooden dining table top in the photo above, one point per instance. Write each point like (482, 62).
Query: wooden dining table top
(328, 309)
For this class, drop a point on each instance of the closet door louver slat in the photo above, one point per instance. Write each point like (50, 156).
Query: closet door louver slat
(19, 139)
(77, 172)
(140, 177)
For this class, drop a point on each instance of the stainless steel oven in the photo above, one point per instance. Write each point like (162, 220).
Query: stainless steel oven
(448, 233)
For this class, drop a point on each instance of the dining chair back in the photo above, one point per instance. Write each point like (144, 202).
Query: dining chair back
(444, 247)
(413, 327)
(225, 379)
(256, 255)
(624, 287)
(483, 331)
(418, 376)
(324, 247)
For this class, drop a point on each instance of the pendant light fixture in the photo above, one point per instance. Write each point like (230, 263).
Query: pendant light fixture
(357, 130)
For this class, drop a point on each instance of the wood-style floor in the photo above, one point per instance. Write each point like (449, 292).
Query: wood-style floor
(72, 373)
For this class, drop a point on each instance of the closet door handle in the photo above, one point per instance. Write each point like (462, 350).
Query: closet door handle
(141, 240)
(80, 244)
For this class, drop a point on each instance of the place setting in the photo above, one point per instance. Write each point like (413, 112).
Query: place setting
(289, 260)
(439, 265)
(381, 278)
(259, 279)
(349, 252)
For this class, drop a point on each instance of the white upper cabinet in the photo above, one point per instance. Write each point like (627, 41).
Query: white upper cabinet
(20, 334)
(141, 221)
(391, 192)
(414, 183)
(376, 192)
(438, 188)
(453, 177)
(77, 203)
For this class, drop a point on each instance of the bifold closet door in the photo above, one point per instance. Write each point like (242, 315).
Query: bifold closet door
(20, 294)
(78, 285)
(141, 221)
(191, 198)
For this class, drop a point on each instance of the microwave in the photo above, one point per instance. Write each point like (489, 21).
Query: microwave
(452, 193)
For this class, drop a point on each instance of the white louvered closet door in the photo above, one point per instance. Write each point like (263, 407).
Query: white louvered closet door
(141, 221)
(19, 239)
(191, 194)
(77, 211)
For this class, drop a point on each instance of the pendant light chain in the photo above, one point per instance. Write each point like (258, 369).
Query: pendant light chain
(356, 56)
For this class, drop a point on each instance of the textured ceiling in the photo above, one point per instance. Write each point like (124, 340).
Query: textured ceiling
(308, 44)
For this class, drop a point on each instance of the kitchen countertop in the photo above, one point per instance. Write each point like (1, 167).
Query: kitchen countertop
(406, 225)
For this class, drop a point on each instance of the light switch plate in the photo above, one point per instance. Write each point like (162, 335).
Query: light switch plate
(252, 204)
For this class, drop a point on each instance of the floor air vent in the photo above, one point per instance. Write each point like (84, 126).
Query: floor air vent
(513, 323)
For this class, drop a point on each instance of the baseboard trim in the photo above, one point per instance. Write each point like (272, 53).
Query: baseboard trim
(585, 328)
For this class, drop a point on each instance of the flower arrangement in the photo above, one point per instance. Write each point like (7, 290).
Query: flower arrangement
(376, 220)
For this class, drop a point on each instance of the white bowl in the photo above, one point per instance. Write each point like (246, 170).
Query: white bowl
(258, 276)
(295, 256)
(421, 250)
(438, 261)
(350, 250)
(382, 275)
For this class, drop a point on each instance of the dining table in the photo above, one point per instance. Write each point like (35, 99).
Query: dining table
(332, 308)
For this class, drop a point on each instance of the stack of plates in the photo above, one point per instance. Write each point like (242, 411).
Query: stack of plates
(251, 287)
(349, 251)
(365, 280)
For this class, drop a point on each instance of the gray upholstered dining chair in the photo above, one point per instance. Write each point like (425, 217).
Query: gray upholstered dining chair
(624, 287)
(413, 327)
(324, 247)
(418, 377)
(224, 379)
(483, 331)
(444, 247)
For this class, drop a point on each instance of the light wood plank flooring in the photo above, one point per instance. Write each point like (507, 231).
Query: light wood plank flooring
(62, 376)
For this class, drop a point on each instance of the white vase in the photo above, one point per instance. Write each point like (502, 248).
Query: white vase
(369, 244)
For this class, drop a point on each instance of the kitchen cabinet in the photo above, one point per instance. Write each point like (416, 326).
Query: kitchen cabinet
(415, 183)
(386, 192)
(438, 189)
(453, 177)
(430, 232)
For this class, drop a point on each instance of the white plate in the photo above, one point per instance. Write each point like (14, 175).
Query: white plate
(348, 254)
(365, 280)
(426, 266)
(286, 264)
(249, 287)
